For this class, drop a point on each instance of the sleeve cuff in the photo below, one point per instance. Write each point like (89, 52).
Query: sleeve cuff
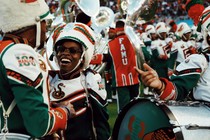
(169, 92)
(97, 60)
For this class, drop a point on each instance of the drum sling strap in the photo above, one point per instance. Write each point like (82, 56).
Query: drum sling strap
(5, 131)
(84, 84)
(6, 114)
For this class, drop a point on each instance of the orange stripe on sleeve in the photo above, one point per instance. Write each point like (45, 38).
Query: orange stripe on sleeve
(97, 60)
(169, 92)
(4, 44)
(28, 1)
(60, 119)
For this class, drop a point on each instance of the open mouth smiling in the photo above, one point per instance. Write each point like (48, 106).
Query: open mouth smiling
(65, 61)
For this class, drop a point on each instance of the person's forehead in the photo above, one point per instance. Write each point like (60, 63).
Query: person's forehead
(71, 42)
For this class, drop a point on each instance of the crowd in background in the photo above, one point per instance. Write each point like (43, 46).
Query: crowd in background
(167, 9)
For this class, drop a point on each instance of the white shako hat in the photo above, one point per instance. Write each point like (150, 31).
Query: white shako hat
(183, 28)
(150, 29)
(82, 34)
(160, 28)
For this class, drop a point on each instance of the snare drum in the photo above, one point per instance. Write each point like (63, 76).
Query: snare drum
(146, 119)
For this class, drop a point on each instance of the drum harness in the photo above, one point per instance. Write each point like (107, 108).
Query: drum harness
(6, 113)
(84, 84)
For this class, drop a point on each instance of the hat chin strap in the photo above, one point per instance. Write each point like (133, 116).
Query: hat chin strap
(184, 37)
(38, 34)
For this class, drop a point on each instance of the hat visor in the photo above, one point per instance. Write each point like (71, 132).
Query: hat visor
(47, 16)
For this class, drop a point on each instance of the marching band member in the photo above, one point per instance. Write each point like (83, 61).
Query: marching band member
(24, 87)
(122, 58)
(191, 75)
(197, 38)
(78, 84)
(152, 36)
(184, 47)
(148, 37)
(161, 49)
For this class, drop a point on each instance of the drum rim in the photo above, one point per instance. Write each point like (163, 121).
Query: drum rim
(19, 135)
(169, 113)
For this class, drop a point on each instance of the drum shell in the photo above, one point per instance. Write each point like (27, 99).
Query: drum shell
(160, 115)
(139, 118)
(195, 116)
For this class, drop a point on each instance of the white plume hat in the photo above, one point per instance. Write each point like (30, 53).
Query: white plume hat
(161, 27)
(183, 28)
(17, 14)
(150, 29)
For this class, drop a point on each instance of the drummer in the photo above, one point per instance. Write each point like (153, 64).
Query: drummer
(191, 76)
(25, 107)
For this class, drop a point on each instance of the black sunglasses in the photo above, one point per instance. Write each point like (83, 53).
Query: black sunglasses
(72, 50)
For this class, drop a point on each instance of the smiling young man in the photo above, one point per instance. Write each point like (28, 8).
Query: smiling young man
(68, 56)
(76, 83)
